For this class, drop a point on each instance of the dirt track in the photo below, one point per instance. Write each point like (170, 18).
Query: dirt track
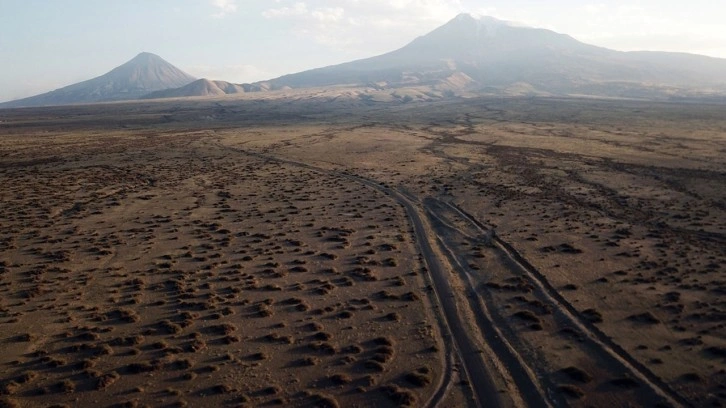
(480, 375)
(598, 346)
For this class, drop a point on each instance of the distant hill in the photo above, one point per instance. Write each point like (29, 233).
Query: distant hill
(486, 54)
(200, 87)
(143, 74)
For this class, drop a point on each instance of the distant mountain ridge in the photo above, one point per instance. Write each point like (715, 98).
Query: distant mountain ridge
(200, 87)
(141, 75)
(497, 56)
(467, 55)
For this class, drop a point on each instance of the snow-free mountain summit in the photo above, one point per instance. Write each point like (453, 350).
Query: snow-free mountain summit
(141, 75)
(491, 55)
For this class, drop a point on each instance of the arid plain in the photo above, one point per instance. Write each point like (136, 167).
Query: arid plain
(302, 249)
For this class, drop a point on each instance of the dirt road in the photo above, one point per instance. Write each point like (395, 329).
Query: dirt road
(499, 375)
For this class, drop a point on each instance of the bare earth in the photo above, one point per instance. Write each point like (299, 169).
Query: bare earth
(310, 249)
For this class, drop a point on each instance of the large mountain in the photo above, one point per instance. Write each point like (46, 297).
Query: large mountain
(465, 55)
(143, 74)
(493, 55)
(200, 87)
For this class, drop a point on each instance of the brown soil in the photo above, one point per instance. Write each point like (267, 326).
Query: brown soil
(261, 252)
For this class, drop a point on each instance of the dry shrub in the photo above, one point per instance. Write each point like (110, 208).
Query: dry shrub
(25, 337)
(592, 315)
(54, 362)
(383, 354)
(368, 380)
(273, 390)
(418, 379)
(259, 356)
(188, 376)
(340, 379)
(400, 396)
(183, 364)
(264, 311)
(123, 315)
(107, 380)
(382, 341)
(231, 339)
(314, 326)
(196, 346)
(9, 388)
(169, 327)
(309, 361)
(9, 403)
(576, 374)
(218, 389)
(646, 318)
(276, 338)
(322, 336)
(393, 317)
(323, 347)
(324, 401)
(127, 341)
(27, 377)
(374, 366)
(67, 386)
(527, 315)
(410, 296)
(138, 368)
(223, 329)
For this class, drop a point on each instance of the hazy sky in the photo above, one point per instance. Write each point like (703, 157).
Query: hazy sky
(47, 44)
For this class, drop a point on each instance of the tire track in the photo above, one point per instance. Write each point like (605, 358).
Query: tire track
(593, 334)
(525, 379)
(451, 326)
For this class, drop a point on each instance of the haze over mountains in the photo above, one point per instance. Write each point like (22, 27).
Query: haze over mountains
(200, 87)
(466, 55)
(497, 56)
(141, 75)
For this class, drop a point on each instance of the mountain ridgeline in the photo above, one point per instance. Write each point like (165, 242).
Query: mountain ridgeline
(200, 87)
(494, 56)
(467, 55)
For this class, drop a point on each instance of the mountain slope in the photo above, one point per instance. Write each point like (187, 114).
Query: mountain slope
(496, 55)
(200, 87)
(143, 74)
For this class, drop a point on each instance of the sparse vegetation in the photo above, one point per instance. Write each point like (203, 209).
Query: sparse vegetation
(134, 250)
